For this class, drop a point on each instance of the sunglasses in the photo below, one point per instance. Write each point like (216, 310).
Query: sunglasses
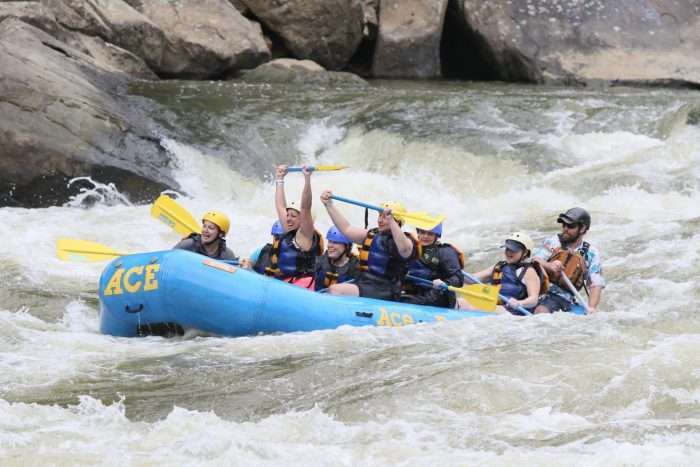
(569, 226)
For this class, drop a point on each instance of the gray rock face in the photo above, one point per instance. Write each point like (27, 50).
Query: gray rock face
(61, 118)
(291, 71)
(205, 38)
(409, 39)
(194, 39)
(539, 40)
(116, 22)
(325, 31)
(106, 55)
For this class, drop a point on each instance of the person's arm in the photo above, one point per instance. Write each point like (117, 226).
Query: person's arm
(354, 234)
(403, 243)
(532, 283)
(594, 295)
(280, 198)
(484, 275)
(185, 244)
(228, 254)
(305, 234)
(553, 269)
(594, 279)
(451, 271)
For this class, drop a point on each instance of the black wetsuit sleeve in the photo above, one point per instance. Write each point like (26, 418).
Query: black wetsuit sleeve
(228, 254)
(185, 244)
(450, 270)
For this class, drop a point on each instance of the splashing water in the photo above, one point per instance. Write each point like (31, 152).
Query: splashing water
(617, 388)
(100, 193)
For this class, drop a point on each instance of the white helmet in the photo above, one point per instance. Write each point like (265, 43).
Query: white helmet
(522, 238)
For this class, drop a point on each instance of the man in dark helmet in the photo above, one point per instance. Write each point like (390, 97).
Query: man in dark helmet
(568, 254)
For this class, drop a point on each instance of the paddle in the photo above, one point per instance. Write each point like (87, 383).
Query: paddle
(578, 296)
(318, 168)
(503, 298)
(170, 212)
(71, 249)
(422, 220)
(484, 297)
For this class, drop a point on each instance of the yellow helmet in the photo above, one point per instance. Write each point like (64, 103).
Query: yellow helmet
(394, 206)
(219, 219)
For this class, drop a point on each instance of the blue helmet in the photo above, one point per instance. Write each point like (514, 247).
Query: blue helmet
(334, 235)
(276, 229)
(437, 230)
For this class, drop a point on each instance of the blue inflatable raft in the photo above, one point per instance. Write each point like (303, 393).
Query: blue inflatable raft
(166, 292)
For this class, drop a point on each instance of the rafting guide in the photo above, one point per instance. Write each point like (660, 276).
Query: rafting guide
(571, 264)
(211, 241)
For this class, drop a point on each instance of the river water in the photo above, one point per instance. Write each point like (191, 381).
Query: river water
(621, 387)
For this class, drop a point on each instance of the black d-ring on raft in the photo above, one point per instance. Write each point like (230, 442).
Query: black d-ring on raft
(137, 309)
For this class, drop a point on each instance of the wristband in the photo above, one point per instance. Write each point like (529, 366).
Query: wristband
(279, 182)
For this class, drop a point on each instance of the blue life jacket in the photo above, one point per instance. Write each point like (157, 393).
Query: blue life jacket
(287, 260)
(511, 282)
(380, 256)
(432, 257)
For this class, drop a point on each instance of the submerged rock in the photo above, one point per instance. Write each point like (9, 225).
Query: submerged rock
(291, 71)
(63, 118)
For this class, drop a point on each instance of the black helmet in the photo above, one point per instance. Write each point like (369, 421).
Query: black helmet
(575, 216)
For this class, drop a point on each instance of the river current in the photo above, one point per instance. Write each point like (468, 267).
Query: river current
(621, 387)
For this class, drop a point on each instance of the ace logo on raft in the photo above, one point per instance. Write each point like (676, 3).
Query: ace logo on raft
(132, 280)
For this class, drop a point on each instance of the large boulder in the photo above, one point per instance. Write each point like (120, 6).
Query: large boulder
(105, 54)
(302, 72)
(327, 32)
(541, 40)
(62, 117)
(115, 22)
(194, 39)
(206, 38)
(409, 39)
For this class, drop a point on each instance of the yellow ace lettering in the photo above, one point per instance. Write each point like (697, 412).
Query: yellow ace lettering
(133, 280)
(114, 286)
(135, 286)
(383, 318)
(151, 282)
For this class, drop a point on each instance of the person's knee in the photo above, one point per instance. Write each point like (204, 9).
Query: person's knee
(342, 289)
(539, 309)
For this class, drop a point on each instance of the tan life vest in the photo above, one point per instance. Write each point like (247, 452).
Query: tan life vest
(574, 266)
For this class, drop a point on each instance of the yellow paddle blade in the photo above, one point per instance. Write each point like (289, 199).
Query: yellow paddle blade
(71, 249)
(482, 296)
(328, 168)
(421, 220)
(171, 213)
